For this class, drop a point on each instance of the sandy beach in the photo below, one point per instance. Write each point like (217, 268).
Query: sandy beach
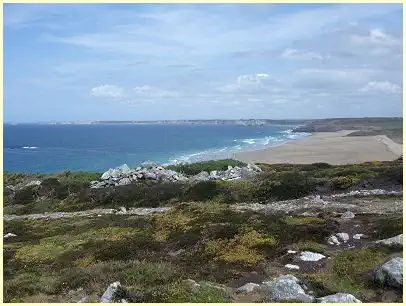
(329, 147)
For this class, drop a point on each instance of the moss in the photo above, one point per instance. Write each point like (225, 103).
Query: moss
(312, 246)
(347, 272)
(52, 247)
(180, 293)
(297, 220)
(168, 223)
(244, 247)
(388, 226)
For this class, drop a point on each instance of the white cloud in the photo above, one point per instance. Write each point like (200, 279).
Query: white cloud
(153, 92)
(347, 75)
(108, 91)
(383, 87)
(251, 83)
(301, 55)
(376, 37)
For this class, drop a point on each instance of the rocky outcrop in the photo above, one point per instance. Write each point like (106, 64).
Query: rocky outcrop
(248, 287)
(9, 235)
(347, 215)
(338, 298)
(112, 294)
(286, 288)
(372, 192)
(393, 241)
(343, 236)
(124, 175)
(333, 240)
(390, 274)
(310, 256)
(90, 213)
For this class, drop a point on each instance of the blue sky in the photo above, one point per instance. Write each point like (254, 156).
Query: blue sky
(183, 61)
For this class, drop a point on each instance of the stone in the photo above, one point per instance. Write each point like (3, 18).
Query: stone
(391, 273)
(292, 267)
(33, 183)
(254, 167)
(230, 168)
(123, 209)
(248, 288)
(338, 298)
(124, 169)
(150, 176)
(332, 240)
(9, 235)
(343, 236)
(357, 236)
(110, 294)
(292, 252)
(286, 288)
(124, 181)
(106, 175)
(347, 215)
(138, 169)
(115, 173)
(393, 241)
(310, 256)
(202, 176)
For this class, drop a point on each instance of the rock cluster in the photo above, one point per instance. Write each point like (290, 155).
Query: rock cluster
(124, 175)
(366, 193)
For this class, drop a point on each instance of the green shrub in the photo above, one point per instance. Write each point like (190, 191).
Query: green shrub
(343, 182)
(286, 185)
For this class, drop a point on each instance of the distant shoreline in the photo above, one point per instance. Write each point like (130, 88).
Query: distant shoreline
(327, 147)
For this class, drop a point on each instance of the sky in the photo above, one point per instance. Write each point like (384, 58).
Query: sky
(65, 62)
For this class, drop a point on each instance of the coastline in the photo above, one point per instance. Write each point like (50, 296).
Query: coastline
(327, 147)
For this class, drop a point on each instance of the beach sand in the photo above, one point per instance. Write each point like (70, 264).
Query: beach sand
(327, 147)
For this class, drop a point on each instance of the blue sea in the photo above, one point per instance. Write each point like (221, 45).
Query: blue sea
(96, 147)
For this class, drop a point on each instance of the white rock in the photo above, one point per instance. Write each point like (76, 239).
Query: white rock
(248, 287)
(333, 240)
(310, 256)
(9, 235)
(33, 183)
(391, 273)
(347, 215)
(108, 295)
(124, 181)
(357, 236)
(343, 236)
(124, 169)
(393, 241)
(292, 252)
(106, 175)
(292, 267)
(286, 288)
(339, 298)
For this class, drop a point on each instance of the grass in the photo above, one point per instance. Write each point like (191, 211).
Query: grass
(69, 191)
(48, 258)
(312, 246)
(348, 272)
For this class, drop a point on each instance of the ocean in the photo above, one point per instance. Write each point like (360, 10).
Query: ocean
(49, 148)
